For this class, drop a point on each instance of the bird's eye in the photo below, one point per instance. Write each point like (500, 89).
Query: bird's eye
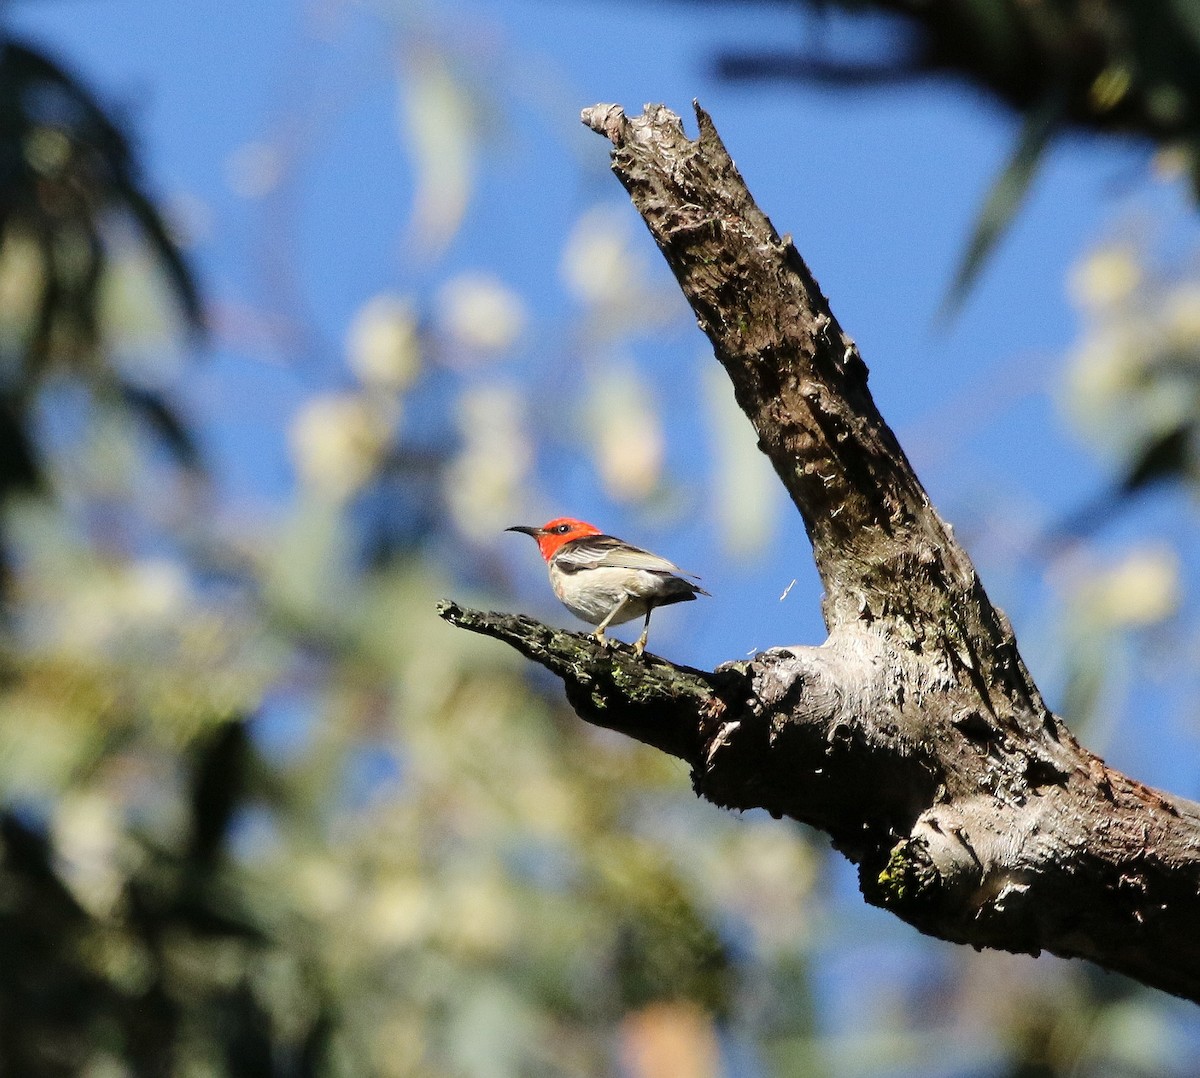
(562, 529)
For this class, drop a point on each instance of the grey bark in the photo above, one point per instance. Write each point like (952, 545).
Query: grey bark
(914, 735)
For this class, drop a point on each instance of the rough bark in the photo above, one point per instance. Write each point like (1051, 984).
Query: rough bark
(914, 735)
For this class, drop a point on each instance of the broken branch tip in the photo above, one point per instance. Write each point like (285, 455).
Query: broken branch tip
(606, 120)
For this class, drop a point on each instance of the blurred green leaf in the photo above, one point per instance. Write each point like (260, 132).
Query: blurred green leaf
(161, 417)
(437, 120)
(217, 789)
(70, 169)
(1168, 456)
(1004, 199)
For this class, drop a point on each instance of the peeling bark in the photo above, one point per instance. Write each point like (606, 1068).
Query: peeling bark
(914, 735)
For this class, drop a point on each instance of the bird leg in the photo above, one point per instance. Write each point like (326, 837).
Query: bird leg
(640, 646)
(599, 633)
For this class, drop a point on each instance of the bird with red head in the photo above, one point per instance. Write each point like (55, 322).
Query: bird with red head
(605, 581)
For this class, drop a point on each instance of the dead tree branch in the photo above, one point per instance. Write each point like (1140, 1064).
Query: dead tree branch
(914, 735)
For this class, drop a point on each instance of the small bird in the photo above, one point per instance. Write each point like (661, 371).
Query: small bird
(606, 581)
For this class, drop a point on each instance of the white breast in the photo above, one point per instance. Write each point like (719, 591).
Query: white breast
(591, 594)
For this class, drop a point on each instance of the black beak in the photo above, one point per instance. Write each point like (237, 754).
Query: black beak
(525, 529)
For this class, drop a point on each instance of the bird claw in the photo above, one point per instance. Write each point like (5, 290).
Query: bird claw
(639, 648)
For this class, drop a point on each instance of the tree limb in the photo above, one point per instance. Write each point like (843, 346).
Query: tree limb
(644, 697)
(914, 735)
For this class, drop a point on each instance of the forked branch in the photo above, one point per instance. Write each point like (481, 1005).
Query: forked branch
(914, 735)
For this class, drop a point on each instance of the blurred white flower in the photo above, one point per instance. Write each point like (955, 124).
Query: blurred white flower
(1142, 589)
(606, 266)
(599, 264)
(1106, 278)
(321, 885)
(481, 313)
(156, 590)
(383, 346)
(478, 915)
(87, 832)
(1102, 370)
(483, 483)
(104, 607)
(337, 441)
(1181, 315)
(626, 433)
(1171, 163)
(399, 912)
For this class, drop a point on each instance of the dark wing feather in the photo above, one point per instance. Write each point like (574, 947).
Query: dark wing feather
(596, 551)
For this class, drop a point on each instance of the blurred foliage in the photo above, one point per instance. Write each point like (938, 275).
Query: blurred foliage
(1117, 67)
(1132, 390)
(1110, 66)
(1134, 376)
(262, 814)
(69, 189)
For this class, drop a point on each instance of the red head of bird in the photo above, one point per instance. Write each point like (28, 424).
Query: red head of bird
(554, 533)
